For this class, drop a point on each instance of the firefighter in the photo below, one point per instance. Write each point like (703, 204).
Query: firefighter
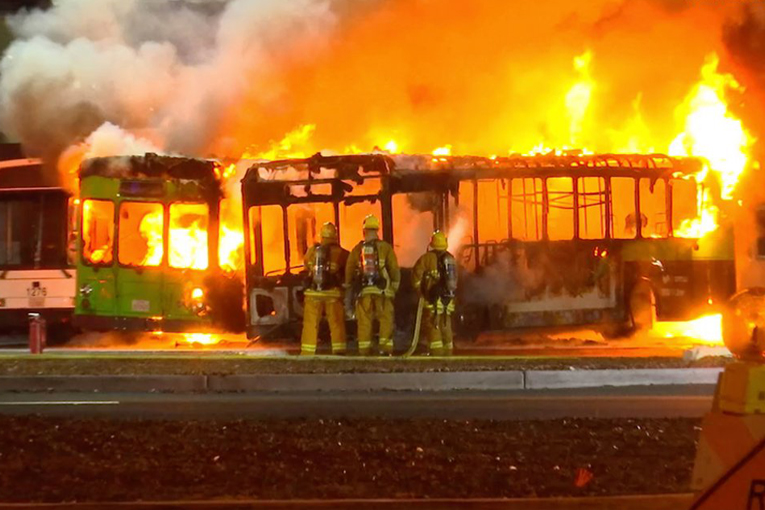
(373, 274)
(434, 276)
(325, 263)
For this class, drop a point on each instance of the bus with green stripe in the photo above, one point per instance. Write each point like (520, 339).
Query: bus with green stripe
(148, 247)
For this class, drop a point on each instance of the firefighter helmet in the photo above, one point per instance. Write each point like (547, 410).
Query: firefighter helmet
(439, 241)
(371, 222)
(329, 231)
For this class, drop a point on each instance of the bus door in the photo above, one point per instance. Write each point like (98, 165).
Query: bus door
(141, 244)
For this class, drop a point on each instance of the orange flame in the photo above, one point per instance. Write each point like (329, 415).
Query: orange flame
(706, 329)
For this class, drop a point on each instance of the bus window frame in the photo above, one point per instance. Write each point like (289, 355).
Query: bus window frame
(115, 233)
(606, 214)
(38, 197)
(165, 234)
(256, 230)
(210, 238)
(667, 208)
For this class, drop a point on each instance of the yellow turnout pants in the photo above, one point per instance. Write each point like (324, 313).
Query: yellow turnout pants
(437, 330)
(368, 308)
(313, 309)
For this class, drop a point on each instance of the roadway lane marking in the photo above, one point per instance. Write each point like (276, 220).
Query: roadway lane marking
(61, 403)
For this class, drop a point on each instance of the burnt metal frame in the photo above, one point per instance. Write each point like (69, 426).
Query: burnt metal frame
(443, 175)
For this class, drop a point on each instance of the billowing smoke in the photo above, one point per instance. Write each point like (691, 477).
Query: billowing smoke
(173, 68)
(218, 76)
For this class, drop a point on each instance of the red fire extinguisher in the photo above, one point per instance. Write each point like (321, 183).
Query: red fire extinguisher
(37, 333)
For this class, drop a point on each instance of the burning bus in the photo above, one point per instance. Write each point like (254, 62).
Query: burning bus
(149, 247)
(554, 240)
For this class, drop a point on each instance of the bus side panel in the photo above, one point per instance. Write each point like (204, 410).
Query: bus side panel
(176, 291)
(543, 284)
(686, 289)
(139, 293)
(97, 294)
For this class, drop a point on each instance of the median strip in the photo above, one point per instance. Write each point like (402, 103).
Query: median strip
(510, 380)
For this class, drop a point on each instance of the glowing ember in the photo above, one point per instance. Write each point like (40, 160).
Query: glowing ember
(706, 329)
(224, 173)
(201, 338)
(446, 150)
(391, 147)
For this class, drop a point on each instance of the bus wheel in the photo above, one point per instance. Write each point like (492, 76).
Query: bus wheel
(642, 306)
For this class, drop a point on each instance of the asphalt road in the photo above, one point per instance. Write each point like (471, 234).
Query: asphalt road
(629, 402)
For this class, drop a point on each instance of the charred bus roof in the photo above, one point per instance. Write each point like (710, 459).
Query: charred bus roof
(415, 173)
(139, 172)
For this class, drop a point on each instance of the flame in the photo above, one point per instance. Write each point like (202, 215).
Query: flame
(446, 150)
(90, 234)
(706, 329)
(711, 130)
(579, 96)
(230, 244)
(224, 173)
(151, 230)
(714, 133)
(204, 339)
(392, 147)
(705, 222)
(293, 145)
(189, 244)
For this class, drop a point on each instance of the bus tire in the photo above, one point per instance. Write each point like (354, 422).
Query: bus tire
(642, 306)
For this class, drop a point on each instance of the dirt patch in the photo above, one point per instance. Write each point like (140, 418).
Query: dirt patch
(45, 459)
(244, 365)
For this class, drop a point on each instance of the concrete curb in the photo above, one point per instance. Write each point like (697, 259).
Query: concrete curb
(558, 379)
(420, 381)
(657, 502)
(105, 384)
(511, 380)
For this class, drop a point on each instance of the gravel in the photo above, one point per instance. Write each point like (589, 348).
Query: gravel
(62, 460)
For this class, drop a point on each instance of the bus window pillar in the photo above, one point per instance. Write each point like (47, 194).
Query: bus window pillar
(386, 209)
(509, 209)
(214, 235)
(259, 252)
(475, 225)
(545, 210)
(638, 213)
(609, 230)
(286, 234)
(576, 207)
(336, 213)
(446, 219)
(668, 204)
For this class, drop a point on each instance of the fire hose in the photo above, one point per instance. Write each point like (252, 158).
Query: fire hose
(416, 335)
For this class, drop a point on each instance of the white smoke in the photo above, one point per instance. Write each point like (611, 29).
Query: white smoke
(172, 67)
